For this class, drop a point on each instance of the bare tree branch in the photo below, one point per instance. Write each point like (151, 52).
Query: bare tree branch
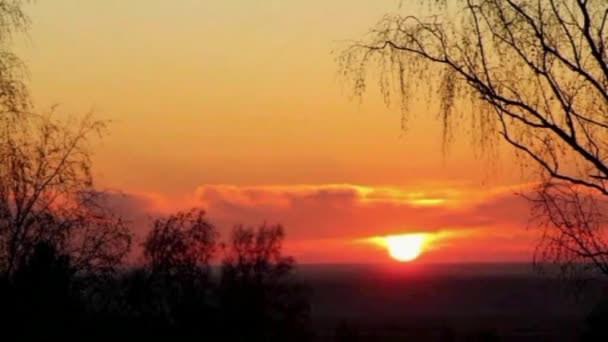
(536, 74)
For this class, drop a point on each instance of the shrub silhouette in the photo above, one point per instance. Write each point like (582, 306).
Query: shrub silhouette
(176, 280)
(258, 293)
(41, 298)
(596, 328)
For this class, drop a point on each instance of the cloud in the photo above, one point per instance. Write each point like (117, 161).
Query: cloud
(346, 211)
(323, 222)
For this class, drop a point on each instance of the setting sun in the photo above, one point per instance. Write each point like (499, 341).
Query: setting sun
(404, 247)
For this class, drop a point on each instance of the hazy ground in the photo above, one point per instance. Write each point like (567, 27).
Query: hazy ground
(422, 302)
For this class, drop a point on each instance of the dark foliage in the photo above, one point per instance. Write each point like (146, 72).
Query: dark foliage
(175, 294)
(597, 323)
(257, 291)
(41, 299)
(175, 288)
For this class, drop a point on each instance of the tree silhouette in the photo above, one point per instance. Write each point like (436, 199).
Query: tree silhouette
(14, 95)
(258, 295)
(46, 185)
(58, 239)
(61, 245)
(177, 253)
(533, 72)
(47, 194)
(182, 243)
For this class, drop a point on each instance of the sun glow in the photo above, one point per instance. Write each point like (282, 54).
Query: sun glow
(405, 247)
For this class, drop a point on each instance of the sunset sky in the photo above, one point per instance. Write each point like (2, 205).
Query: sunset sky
(236, 106)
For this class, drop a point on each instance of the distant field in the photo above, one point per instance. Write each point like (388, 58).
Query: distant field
(424, 302)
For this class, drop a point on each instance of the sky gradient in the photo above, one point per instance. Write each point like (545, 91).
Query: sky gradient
(236, 106)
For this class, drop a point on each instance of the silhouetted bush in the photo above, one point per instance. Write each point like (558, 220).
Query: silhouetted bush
(177, 272)
(259, 297)
(596, 327)
(41, 299)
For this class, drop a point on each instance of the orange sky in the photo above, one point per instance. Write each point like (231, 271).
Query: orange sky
(236, 106)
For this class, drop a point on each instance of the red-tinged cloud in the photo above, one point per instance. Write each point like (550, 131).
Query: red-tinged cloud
(329, 223)
(346, 211)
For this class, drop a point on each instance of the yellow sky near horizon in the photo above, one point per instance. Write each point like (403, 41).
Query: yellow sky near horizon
(230, 92)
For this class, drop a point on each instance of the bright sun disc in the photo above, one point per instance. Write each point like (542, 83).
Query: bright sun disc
(404, 248)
